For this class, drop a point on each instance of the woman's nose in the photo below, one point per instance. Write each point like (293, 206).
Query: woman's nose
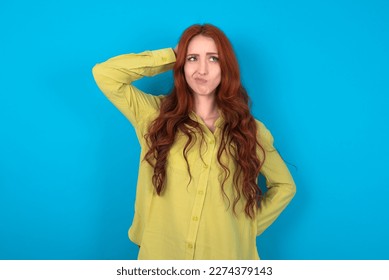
(203, 67)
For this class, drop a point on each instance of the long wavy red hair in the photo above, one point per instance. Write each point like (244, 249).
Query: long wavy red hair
(238, 137)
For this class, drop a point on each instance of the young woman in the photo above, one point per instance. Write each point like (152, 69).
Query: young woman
(201, 152)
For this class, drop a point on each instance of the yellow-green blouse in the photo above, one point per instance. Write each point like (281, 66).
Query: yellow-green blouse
(191, 219)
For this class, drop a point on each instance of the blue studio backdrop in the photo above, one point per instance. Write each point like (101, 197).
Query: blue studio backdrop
(317, 73)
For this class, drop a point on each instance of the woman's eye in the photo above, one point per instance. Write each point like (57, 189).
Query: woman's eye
(191, 58)
(214, 58)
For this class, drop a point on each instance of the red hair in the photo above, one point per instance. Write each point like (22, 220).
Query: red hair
(238, 137)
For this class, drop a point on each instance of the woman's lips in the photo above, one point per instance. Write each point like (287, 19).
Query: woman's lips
(200, 80)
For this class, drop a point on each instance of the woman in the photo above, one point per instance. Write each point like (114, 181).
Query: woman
(201, 152)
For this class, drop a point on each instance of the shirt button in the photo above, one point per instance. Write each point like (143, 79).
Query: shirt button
(212, 142)
(200, 192)
(195, 218)
(190, 246)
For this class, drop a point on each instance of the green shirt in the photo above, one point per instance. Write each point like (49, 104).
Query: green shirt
(191, 219)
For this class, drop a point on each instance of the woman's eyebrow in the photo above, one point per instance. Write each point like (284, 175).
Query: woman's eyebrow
(208, 53)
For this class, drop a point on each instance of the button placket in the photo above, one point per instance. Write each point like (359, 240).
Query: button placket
(199, 201)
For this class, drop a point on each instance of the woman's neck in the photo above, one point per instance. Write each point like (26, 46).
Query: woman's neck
(206, 109)
(205, 106)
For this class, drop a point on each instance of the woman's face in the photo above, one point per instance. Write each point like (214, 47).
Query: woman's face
(202, 68)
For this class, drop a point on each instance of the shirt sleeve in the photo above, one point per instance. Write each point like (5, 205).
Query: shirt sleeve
(116, 75)
(280, 184)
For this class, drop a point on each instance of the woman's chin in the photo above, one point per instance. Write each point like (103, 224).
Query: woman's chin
(204, 93)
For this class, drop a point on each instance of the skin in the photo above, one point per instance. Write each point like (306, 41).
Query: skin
(203, 75)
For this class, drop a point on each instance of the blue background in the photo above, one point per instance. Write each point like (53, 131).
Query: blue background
(317, 73)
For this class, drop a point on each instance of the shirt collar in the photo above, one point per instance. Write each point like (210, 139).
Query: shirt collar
(218, 123)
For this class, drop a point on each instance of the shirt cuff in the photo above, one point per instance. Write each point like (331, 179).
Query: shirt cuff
(164, 56)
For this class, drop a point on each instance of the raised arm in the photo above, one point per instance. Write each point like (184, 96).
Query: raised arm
(280, 184)
(115, 76)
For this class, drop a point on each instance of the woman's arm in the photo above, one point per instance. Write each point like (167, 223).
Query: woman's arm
(114, 78)
(280, 184)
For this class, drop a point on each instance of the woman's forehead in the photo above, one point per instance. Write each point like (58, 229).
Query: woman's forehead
(201, 44)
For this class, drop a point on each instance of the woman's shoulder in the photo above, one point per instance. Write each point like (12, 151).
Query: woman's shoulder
(151, 100)
(151, 106)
